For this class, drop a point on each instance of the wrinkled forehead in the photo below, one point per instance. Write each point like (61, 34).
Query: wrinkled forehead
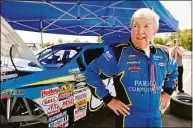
(146, 20)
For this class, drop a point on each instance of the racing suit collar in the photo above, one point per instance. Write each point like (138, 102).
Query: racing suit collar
(151, 47)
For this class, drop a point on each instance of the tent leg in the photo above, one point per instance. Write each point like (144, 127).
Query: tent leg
(41, 32)
(177, 39)
(41, 40)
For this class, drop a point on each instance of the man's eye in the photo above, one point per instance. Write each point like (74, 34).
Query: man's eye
(146, 26)
(134, 26)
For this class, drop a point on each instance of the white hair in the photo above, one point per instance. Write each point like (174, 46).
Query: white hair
(145, 12)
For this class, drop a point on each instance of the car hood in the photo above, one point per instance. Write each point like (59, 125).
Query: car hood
(43, 78)
(10, 39)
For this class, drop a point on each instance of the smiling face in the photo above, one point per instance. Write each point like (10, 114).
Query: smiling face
(143, 30)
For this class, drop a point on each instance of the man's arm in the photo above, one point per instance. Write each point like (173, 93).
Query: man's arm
(170, 82)
(180, 52)
(171, 76)
(105, 65)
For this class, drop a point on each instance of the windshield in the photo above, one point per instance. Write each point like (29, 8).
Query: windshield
(55, 57)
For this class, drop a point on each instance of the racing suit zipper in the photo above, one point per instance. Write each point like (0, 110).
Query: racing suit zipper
(151, 78)
(150, 84)
(149, 74)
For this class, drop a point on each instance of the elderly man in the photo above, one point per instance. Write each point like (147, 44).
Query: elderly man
(144, 76)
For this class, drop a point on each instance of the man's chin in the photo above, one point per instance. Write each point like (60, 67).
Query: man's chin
(141, 48)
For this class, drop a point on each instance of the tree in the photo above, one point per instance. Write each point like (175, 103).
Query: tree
(47, 44)
(184, 38)
(60, 41)
(76, 40)
(159, 40)
(99, 40)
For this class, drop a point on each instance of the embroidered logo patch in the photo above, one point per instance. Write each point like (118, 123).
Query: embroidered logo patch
(161, 64)
(158, 57)
(134, 68)
(133, 62)
(107, 55)
(132, 57)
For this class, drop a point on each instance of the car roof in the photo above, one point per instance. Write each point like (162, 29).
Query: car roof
(72, 45)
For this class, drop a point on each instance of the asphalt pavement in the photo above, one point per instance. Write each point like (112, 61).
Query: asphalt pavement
(104, 118)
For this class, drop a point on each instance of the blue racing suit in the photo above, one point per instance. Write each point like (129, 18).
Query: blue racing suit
(138, 80)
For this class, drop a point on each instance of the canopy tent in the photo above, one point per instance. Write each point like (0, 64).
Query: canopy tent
(109, 19)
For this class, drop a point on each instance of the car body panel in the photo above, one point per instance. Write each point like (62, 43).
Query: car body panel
(58, 89)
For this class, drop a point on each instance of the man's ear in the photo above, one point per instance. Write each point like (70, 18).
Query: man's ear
(156, 30)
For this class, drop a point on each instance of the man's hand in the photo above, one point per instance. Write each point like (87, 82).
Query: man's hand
(118, 107)
(164, 100)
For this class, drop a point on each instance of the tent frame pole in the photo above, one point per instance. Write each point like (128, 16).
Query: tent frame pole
(41, 32)
(177, 39)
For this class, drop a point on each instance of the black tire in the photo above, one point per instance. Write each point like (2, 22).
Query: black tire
(181, 105)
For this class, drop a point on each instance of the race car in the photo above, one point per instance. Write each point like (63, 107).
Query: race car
(57, 95)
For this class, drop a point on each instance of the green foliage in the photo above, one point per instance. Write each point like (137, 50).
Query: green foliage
(184, 38)
(166, 40)
(60, 41)
(47, 44)
(76, 41)
(99, 39)
(159, 40)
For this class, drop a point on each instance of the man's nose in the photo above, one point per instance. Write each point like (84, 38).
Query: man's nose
(141, 30)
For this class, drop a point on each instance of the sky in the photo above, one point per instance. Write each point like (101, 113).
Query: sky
(181, 10)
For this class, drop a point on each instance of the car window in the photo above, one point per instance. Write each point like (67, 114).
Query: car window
(57, 57)
(59, 53)
(43, 54)
(88, 56)
(91, 54)
(72, 53)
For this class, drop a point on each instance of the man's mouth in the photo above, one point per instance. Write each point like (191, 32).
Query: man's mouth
(140, 38)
